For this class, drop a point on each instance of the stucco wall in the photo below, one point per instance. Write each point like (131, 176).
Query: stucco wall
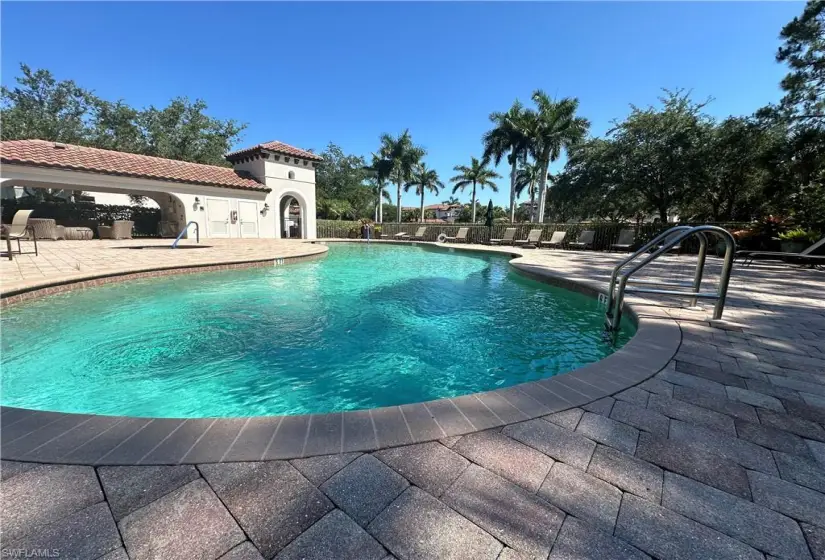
(203, 212)
(177, 200)
(302, 187)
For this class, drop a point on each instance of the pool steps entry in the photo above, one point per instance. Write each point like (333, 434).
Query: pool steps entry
(666, 241)
(183, 231)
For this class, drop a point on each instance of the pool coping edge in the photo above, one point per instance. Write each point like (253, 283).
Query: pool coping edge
(68, 438)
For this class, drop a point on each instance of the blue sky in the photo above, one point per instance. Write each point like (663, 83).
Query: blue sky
(312, 73)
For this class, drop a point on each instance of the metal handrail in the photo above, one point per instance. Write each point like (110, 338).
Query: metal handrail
(183, 231)
(614, 311)
(642, 250)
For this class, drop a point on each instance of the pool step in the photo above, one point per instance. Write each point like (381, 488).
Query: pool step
(683, 283)
(707, 295)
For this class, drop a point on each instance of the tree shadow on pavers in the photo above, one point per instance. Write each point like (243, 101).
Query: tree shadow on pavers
(519, 519)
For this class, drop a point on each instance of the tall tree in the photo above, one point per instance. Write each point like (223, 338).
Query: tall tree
(476, 174)
(728, 186)
(379, 172)
(402, 156)
(424, 180)
(527, 177)
(381, 195)
(183, 131)
(340, 187)
(41, 107)
(116, 126)
(552, 128)
(507, 138)
(658, 151)
(804, 52)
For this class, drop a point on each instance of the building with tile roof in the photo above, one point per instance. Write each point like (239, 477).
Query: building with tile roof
(250, 199)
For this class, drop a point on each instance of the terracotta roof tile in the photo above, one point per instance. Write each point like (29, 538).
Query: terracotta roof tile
(42, 153)
(278, 148)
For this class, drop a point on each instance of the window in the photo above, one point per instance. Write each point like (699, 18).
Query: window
(291, 174)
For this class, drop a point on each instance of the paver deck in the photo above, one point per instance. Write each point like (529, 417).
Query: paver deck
(66, 261)
(719, 455)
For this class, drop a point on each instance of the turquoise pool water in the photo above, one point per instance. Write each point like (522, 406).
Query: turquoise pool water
(367, 326)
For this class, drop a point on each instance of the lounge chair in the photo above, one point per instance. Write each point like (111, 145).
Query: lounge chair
(627, 237)
(585, 240)
(803, 257)
(401, 235)
(419, 233)
(555, 240)
(533, 238)
(676, 248)
(19, 229)
(508, 237)
(460, 236)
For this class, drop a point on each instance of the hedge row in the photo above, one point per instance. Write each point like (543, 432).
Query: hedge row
(80, 214)
(606, 234)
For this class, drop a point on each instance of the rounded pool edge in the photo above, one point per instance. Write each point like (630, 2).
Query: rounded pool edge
(57, 437)
(84, 281)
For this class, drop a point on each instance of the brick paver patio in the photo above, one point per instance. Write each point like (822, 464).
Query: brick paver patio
(720, 455)
(77, 260)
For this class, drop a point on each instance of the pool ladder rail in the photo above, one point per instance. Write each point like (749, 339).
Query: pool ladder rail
(183, 232)
(664, 242)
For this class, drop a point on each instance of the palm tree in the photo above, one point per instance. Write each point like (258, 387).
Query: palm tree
(507, 138)
(477, 174)
(423, 180)
(451, 201)
(400, 156)
(381, 194)
(379, 171)
(527, 177)
(551, 128)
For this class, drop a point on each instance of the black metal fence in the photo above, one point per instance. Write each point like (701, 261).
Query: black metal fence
(80, 214)
(606, 234)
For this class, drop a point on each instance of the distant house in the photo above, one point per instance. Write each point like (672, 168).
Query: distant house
(445, 212)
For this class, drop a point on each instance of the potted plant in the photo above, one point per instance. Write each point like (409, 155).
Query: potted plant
(796, 240)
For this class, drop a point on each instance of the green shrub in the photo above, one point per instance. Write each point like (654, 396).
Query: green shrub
(800, 234)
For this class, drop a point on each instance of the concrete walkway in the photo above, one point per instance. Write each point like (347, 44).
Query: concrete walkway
(720, 455)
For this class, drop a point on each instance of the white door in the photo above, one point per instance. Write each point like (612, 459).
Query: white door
(217, 212)
(248, 214)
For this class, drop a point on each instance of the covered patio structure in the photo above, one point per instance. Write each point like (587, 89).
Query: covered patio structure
(224, 202)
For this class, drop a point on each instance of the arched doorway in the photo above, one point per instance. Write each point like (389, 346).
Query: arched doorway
(172, 213)
(291, 218)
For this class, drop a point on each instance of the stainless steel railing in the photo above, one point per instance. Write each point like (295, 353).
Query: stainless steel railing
(669, 239)
(183, 232)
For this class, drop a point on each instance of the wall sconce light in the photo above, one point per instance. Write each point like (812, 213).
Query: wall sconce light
(198, 200)
(197, 204)
(265, 209)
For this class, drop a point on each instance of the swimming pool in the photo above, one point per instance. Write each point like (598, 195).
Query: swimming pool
(370, 325)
